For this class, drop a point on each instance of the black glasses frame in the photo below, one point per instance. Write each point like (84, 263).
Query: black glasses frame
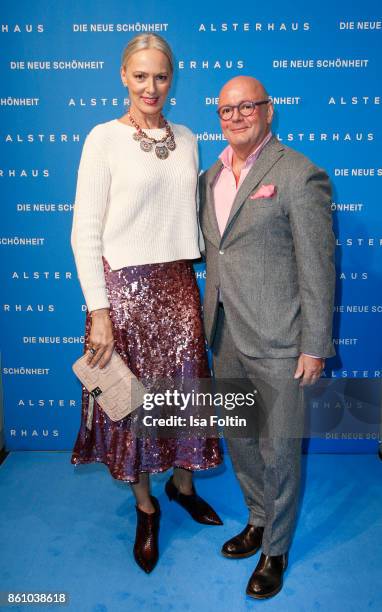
(253, 104)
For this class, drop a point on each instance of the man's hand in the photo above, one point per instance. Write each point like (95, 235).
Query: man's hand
(309, 369)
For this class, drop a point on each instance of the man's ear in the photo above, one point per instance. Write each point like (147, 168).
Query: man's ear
(270, 113)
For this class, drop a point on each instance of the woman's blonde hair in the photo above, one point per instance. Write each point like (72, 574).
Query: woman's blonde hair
(148, 41)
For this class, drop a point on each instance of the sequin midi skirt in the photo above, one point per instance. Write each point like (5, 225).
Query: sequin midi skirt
(156, 317)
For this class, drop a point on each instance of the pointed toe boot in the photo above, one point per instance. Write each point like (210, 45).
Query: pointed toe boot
(195, 505)
(146, 550)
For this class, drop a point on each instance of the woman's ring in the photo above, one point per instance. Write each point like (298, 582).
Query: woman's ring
(93, 351)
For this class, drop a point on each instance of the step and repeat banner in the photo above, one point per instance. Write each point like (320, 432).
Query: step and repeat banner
(60, 76)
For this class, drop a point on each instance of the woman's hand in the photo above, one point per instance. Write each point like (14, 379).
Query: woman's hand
(101, 338)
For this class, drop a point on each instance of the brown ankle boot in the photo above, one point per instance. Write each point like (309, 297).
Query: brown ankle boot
(267, 578)
(146, 551)
(245, 544)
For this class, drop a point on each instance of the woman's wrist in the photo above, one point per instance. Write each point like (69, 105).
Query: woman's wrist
(100, 312)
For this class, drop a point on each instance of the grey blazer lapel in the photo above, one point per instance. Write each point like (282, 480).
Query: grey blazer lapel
(210, 200)
(271, 153)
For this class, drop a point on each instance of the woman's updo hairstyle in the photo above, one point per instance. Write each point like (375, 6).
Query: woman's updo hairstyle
(148, 41)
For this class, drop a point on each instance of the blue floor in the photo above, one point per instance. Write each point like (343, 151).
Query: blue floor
(67, 528)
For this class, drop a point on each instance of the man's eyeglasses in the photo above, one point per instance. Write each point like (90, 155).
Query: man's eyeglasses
(245, 108)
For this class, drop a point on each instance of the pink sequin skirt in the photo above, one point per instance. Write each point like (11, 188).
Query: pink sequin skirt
(156, 316)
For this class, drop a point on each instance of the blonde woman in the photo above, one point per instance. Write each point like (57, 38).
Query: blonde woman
(134, 237)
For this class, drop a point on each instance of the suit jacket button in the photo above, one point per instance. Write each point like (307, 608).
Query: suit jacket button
(221, 252)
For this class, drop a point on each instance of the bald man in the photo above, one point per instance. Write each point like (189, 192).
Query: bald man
(265, 213)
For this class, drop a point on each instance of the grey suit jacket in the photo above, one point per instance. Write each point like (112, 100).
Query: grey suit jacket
(274, 263)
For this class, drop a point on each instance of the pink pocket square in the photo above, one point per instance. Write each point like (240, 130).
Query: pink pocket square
(265, 191)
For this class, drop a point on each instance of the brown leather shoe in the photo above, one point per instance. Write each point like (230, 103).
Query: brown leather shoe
(245, 544)
(146, 551)
(267, 579)
(200, 511)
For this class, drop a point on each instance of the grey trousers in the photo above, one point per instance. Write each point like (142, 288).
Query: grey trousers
(267, 465)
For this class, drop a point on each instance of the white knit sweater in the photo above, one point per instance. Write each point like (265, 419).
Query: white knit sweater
(132, 207)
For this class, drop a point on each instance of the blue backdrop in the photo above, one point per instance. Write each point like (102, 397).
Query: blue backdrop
(60, 76)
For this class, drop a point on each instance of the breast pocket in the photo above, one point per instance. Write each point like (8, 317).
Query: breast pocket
(263, 202)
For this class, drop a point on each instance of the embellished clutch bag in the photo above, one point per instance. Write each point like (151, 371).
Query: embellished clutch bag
(115, 388)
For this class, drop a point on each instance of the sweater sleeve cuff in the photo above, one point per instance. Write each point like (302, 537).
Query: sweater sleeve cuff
(96, 299)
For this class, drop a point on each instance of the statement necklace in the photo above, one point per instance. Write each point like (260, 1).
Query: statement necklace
(162, 146)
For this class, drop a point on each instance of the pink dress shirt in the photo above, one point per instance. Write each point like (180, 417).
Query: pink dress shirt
(225, 188)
